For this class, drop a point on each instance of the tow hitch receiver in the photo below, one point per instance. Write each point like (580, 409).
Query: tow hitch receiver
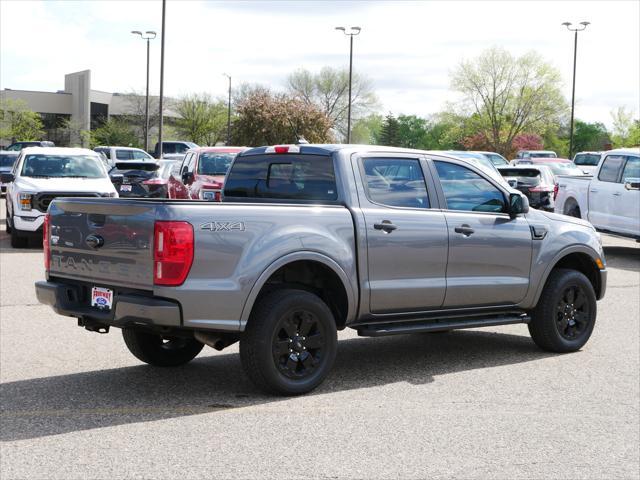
(92, 325)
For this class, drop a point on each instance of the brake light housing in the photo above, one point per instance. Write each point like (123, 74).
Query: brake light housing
(172, 252)
(46, 246)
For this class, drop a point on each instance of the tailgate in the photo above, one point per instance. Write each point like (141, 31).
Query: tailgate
(103, 241)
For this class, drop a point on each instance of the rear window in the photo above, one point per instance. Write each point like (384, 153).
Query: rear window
(589, 159)
(7, 160)
(525, 176)
(282, 177)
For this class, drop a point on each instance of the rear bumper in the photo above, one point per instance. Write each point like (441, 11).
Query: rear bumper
(128, 309)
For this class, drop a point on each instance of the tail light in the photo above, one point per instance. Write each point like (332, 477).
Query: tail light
(555, 191)
(155, 181)
(283, 149)
(172, 252)
(46, 246)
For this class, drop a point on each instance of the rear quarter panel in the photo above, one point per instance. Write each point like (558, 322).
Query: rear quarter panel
(236, 243)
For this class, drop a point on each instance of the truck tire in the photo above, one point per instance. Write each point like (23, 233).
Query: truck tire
(160, 351)
(290, 342)
(6, 220)
(18, 240)
(574, 212)
(565, 315)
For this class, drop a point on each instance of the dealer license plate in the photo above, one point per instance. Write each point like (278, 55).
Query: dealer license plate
(125, 188)
(101, 298)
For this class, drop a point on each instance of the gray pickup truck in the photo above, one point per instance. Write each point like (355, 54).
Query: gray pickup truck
(311, 239)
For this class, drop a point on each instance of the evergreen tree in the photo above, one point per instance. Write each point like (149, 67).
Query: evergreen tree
(390, 133)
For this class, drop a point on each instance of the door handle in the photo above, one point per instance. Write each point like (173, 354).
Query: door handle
(386, 226)
(617, 194)
(594, 190)
(466, 230)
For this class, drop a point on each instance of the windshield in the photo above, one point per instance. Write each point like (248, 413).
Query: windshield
(542, 155)
(496, 159)
(590, 159)
(525, 176)
(7, 160)
(168, 168)
(564, 169)
(82, 166)
(215, 163)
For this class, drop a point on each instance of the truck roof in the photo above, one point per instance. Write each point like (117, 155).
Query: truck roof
(59, 151)
(328, 149)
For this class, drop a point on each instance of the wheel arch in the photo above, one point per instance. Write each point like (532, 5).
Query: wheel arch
(580, 258)
(340, 296)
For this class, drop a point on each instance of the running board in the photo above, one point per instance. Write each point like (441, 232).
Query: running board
(380, 330)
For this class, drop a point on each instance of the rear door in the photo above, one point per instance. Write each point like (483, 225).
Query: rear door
(406, 236)
(489, 258)
(605, 193)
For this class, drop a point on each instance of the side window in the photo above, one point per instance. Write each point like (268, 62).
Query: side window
(180, 148)
(124, 155)
(191, 167)
(632, 168)
(465, 190)
(610, 170)
(168, 147)
(140, 155)
(396, 182)
(185, 164)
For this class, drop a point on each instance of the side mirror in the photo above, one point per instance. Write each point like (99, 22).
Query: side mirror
(187, 177)
(6, 177)
(632, 183)
(518, 204)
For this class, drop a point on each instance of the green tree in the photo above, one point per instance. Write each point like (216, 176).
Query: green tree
(589, 136)
(114, 132)
(509, 95)
(390, 132)
(202, 119)
(625, 129)
(367, 130)
(265, 118)
(17, 122)
(329, 91)
(412, 131)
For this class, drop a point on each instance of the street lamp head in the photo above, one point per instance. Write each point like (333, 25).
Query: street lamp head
(585, 23)
(136, 32)
(355, 30)
(151, 34)
(566, 24)
(341, 28)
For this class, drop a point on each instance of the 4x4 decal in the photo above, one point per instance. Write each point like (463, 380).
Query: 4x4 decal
(223, 226)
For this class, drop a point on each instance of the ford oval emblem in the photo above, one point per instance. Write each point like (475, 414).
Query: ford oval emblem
(94, 241)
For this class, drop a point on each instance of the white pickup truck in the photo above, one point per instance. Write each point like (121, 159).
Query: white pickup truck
(610, 199)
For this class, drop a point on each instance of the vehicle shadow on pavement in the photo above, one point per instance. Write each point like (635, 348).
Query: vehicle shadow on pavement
(624, 258)
(5, 244)
(55, 405)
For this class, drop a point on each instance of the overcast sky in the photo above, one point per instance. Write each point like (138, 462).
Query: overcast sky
(406, 48)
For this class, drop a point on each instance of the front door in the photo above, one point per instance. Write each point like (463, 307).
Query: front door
(489, 258)
(406, 239)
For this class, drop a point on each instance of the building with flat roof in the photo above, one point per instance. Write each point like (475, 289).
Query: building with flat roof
(85, 108)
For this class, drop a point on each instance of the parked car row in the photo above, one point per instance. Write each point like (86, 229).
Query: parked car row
(200, 174)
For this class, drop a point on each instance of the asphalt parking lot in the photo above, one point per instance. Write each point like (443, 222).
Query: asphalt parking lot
(471, 404)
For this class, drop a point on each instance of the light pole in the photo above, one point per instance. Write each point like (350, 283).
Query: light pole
(161, 100)
(351, 33)
(573, 88)
(229, 112)
(148, 36)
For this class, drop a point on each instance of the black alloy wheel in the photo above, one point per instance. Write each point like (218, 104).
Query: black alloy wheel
(290, 342)
(565, 315)
(298, 344)
(572, 313)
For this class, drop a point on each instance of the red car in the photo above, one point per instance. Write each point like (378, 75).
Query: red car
(202, 173)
